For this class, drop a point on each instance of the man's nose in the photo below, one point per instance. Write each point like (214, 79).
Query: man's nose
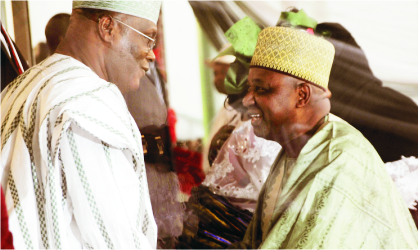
(151, 56)
(248, 99)
(328, 92)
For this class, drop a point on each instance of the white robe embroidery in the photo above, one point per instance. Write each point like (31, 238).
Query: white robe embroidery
(71, 162)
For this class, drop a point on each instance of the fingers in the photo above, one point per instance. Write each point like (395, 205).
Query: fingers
(212, 156)
(218, 140)
(226, 129)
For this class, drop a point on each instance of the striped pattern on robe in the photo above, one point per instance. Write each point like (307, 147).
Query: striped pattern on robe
(72, 162)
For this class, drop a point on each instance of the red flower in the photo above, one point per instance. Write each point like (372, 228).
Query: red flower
(189, 169)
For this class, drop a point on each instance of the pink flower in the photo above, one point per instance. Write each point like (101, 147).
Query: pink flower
(310, 31)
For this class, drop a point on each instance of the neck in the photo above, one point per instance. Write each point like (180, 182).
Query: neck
(84, 48)
(294, 145)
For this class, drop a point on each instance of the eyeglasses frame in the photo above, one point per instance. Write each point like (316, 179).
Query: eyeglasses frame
(148, 37)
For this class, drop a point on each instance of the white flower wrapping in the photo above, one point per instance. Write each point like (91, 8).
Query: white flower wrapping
(404, 173)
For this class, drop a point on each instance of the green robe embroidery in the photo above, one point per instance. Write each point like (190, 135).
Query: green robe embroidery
(339, 195)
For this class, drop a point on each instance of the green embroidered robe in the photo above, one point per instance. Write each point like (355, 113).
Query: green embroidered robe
(339, 195)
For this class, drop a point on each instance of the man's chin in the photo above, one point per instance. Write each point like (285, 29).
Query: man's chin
(142, 73)
(135, 83)
(134, 86)
(259, 132)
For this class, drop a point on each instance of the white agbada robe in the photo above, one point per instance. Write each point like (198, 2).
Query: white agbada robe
(72, 163)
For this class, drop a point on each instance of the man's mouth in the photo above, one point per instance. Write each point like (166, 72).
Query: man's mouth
(255, 118)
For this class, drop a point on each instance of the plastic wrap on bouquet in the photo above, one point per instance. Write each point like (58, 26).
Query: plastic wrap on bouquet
(404, 173)
(242, 166)
(212, 222)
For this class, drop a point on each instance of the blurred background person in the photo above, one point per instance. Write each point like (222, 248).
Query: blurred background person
(41, 52)
(149, 107)
(227, 118)
(56, 30)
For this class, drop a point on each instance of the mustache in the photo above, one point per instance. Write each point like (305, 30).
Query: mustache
(235, 101)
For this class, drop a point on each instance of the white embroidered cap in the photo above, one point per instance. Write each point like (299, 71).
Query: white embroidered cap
(148, 9)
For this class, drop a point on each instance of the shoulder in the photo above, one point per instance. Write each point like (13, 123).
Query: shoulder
(340, 151)
(64, 81)
(351, 163)
(343, 138)
(72, 91)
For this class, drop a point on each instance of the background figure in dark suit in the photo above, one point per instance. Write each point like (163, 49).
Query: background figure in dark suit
(387, 118)
(149, 108)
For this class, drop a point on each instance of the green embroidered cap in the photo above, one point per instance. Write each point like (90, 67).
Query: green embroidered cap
(298, 19)
(296, 53)
(145, 9)
(243, 36)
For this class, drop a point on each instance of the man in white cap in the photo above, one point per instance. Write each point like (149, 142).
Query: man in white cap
(71, 155)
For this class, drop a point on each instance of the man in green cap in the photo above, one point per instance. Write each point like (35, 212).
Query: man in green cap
(328, 187)
(72, 158)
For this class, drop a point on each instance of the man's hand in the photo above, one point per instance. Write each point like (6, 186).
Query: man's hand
(218, 140)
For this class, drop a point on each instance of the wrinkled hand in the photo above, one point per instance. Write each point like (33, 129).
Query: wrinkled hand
(218, 140)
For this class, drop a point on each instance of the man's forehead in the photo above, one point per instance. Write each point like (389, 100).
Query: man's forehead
(263, 76)
(218, 65)
(139, 20)
(142, 24)
(256, 73)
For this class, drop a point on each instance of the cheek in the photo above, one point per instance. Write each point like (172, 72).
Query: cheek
(135, 52)
(266, 104)
(273, 110)
(130, 67)
(133, 61)
(219, 76)
(130, 52)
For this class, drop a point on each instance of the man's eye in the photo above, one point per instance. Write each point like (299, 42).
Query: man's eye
(259, 90)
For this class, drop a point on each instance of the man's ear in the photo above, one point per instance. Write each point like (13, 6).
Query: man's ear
(304, 94)
(107, 28)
